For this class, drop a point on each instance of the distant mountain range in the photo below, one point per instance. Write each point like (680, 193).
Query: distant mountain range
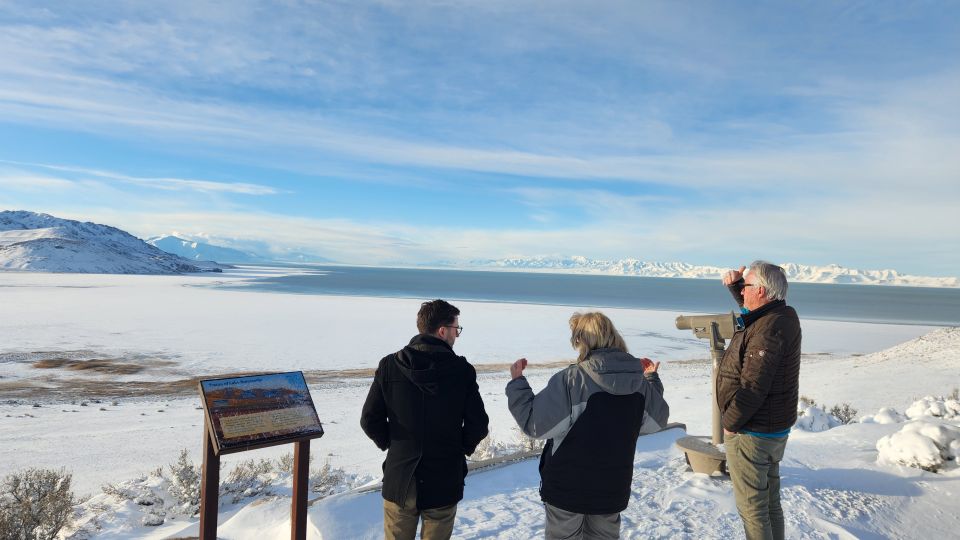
(198, 251)
(42, 243)
(633, 267)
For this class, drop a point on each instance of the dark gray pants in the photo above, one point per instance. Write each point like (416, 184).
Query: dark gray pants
(754, 467)
(563, 525)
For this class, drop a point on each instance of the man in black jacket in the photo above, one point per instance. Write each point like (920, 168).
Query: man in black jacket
(424, 408)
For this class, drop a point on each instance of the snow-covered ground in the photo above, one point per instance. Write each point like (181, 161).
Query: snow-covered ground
(138, 336)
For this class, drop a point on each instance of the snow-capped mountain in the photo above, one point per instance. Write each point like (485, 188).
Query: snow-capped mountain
(199, 251)
(260, 252)
(832, 273)
(43, 243)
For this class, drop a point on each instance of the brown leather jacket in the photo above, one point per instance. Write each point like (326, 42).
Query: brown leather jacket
(759, 376)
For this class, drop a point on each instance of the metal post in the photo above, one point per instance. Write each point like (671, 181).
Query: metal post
(301, 481)
(717, 428)
(209, 488)
(716, 353)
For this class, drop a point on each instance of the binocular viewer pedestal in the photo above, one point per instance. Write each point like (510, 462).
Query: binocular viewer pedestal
(703, 456)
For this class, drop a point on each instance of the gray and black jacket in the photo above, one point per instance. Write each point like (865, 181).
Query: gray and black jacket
(591, 413)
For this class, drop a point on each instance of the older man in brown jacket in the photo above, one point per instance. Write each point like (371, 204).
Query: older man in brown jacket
(757, 392)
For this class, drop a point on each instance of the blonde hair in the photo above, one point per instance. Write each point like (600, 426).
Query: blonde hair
(589, 331)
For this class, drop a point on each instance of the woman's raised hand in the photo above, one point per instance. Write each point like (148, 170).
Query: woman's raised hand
(649, 366)
(516, 370)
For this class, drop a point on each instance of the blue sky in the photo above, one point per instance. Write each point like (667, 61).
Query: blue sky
(410, 132)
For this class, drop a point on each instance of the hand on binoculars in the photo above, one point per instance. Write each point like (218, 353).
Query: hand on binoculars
(516, 370)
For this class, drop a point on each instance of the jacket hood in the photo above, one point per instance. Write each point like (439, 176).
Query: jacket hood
(617, 372)
(426, 361)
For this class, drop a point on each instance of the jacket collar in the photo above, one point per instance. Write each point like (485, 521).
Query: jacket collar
(753, 316)
(426, 342)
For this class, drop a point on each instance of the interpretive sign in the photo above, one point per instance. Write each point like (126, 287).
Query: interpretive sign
(250, 412)
(243, 413)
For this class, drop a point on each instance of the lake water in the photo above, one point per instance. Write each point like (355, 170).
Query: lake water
(862, 303)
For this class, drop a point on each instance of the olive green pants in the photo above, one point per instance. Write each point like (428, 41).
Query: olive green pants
(400, 521)
(754, 467)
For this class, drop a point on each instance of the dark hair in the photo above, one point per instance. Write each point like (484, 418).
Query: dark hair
(435, 314)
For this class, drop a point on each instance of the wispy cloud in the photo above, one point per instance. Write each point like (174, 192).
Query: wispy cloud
(21, 181)
(170, 184)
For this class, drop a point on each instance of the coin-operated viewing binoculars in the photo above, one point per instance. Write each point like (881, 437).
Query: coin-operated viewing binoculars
(703, 456)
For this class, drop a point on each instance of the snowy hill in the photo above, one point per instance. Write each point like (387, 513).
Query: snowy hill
(832, 273)
(42, 243)
(199, 251)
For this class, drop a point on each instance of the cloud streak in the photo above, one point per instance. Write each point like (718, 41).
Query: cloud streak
(169, 184)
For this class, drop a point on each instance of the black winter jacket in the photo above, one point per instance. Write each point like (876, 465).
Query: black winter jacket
(424, 408)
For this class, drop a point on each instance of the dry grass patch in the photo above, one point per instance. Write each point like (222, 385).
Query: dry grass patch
(105, 366)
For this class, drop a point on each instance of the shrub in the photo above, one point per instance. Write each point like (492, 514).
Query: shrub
(330, 480)
(527, 443)
(489, 448)
(807, 402)
(35, 504)
(844, 412)
(249, 478)
(285, 462)
(185, 483)
(116, 491)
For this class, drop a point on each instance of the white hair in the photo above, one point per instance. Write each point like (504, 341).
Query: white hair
(772, 278)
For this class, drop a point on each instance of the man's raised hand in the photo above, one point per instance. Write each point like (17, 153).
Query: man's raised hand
(731, 276)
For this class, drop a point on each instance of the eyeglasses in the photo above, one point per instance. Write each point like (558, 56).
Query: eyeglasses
(459, 329)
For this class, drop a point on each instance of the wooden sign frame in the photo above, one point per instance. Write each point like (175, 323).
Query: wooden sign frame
(256, 411)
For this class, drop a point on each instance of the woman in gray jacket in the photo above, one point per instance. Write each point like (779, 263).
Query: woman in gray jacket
(591, 414)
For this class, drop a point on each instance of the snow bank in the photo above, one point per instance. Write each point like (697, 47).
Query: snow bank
(886, 415)
(167, 500)
(813, 418)
(925, 444)
(938, 407)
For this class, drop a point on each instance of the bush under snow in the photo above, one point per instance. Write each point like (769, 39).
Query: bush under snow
(812, 418)
(522, 443)
(939, 407)
(886, 415)
(925, 444)
(173, 492)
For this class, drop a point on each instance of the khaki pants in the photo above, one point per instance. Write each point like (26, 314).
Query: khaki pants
(754, 467)
(400, 522)
(563, 525)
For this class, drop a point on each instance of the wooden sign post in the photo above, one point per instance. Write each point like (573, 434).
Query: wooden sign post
(245, 413)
